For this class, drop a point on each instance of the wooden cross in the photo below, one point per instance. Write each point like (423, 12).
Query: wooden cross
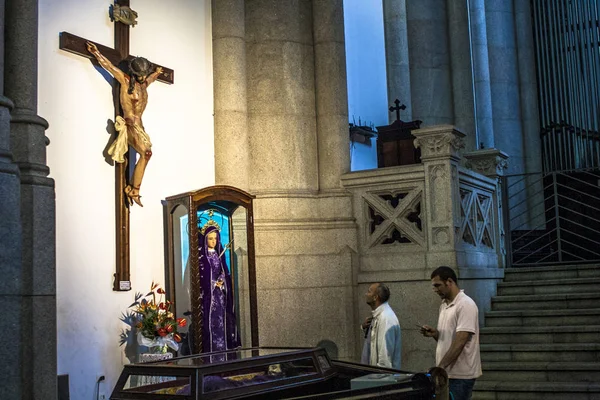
(77, 45)
(397, 109)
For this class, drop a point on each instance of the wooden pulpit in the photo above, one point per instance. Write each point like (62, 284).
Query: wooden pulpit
(395, 141)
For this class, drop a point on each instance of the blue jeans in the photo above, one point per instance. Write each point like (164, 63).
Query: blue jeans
(461, 389)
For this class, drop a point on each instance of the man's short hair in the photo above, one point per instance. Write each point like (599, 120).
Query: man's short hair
(383, 292)
(445, 273)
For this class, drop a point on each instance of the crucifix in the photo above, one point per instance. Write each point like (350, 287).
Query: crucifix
(130, 96)
(397, 108)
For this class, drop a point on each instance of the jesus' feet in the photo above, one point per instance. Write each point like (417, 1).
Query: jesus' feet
(133, 195)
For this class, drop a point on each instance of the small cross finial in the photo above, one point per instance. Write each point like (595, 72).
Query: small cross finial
(397, 108)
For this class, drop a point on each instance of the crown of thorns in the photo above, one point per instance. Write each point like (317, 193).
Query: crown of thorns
(139, 66)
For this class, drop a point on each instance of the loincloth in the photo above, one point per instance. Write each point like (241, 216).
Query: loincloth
(119, 147)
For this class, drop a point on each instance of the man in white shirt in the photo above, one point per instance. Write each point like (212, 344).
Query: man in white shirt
(383, 344)
(457, 334)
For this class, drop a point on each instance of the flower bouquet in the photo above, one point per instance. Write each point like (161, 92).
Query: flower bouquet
(156, 325)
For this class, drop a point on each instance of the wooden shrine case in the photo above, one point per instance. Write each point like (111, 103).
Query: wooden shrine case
(230, 210)
(273, 374)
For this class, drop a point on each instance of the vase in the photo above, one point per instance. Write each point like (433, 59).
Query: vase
(146, 357)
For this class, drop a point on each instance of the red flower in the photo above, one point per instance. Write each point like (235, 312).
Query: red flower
(162, 332)
(160, 291)
(169, 328)
(162, 306)
(181, 322)
(177, 337)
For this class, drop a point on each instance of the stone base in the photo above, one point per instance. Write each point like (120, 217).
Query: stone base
(304, 270)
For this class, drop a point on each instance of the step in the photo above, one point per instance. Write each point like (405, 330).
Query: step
(540, 334)
(552, 272)
(552, 286)
(555, 352)
(546, 301)
(541, 371)
(503, 390)
(542, 317)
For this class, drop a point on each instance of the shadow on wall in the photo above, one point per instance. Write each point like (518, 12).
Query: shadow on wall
(128, 336)
(330, 347)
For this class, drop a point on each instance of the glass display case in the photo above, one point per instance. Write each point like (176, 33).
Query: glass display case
(267, 373)
(211, 276)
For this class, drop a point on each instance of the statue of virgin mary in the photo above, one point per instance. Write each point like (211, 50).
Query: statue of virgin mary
(219, 328)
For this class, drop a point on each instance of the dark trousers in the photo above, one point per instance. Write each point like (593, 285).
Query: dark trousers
(461, 389)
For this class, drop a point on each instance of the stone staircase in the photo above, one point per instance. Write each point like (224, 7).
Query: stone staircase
(541, 339)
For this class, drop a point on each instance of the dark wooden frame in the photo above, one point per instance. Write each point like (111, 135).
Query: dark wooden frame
(421, 386)
(193, 200)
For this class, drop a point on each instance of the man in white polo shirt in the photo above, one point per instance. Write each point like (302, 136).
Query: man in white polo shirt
(457, 334)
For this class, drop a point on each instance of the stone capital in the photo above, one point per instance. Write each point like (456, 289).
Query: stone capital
(488, 162)
(439, 142)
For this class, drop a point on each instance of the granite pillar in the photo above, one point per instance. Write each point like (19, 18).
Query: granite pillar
(481, 75)
(10, 249)
(281, 96)
(298, 140)
(528, 87)
(504, 81)
(532, 147)
(37, 287)
(396, 56)
(331, 93)
(462, 71)
(231, 114)
(429, 55)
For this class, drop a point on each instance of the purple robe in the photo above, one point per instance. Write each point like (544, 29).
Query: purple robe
(219, 327)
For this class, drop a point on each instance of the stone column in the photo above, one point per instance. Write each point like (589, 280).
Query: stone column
(396, 55)
(528, 87)
(231, 114)
(532, 146)
(504, 81)
(331, 92)
(431, 80)
(281, 96)
(439, 154)
(481, 74)
(28, 145)
(462, 72)
(303, 221)
(10, 249)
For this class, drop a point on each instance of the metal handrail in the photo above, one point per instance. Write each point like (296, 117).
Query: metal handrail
(584, 226)
(537, 220)
(583, 248)
(535, 240)
(526, 210)
(575, 179)
(579, 202)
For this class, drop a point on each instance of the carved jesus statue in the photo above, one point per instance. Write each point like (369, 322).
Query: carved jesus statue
(133, 98)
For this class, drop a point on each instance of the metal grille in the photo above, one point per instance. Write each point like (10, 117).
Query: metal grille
(552, 218)
(567, 39)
